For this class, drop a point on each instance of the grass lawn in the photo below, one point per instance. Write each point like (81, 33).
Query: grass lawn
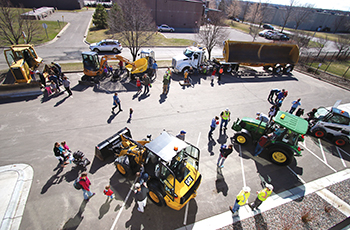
(337, 68)
(156, 40)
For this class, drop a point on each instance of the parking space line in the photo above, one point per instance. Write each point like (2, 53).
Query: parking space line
(301, 180)
(324, 156)
(186, 211)
(121, 209)
(319, 158)
(343, 151)
(240, 155)
(341, 158)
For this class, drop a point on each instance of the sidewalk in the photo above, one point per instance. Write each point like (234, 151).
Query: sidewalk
(15, 183)
(279, 207)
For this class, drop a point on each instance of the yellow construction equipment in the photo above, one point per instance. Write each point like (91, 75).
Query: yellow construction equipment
(21, 59)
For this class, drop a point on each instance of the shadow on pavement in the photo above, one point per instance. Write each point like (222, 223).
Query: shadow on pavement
(97, 164)
(74, 222)
(54, 179)
(220, 183)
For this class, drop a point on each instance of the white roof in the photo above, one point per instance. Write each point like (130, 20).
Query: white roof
(163, 146)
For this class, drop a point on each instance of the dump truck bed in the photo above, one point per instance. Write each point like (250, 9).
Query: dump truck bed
(255, 53)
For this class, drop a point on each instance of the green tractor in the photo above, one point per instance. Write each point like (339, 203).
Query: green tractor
(287, 131)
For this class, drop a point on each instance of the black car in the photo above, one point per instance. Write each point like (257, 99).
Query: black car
(268, 27)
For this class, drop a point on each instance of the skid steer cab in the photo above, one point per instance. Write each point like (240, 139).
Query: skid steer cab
(286, 131)
(172, 165)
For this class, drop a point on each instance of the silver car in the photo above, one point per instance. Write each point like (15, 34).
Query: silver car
(107, 45)
(165, 28)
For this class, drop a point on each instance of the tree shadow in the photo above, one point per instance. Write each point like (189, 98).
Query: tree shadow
(74, 222)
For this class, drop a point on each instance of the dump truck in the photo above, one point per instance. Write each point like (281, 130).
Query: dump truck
(281, 58)
(172, 165)
(21, 59)
(332, 124)
(286, 130)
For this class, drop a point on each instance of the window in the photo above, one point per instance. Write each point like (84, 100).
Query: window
(338, 119)
(188, 53)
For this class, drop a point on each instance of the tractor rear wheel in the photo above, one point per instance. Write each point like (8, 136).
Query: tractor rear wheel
(242, 138)
(280, 156)
(340, 141)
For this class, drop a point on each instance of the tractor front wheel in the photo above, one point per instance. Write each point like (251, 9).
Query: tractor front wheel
(241, 138)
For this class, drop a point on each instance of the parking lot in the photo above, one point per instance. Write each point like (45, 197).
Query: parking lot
(30, 127)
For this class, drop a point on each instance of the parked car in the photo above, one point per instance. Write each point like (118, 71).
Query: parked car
(263, 33)
(268, 27)
(165, 28)
(284, 37)
(107, 45)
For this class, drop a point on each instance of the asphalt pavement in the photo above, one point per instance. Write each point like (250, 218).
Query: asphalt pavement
(31, 125)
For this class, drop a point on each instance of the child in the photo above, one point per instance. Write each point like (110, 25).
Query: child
(130, 113)
(213, 76)
(65, 146)
(108, 192)
(138, 84)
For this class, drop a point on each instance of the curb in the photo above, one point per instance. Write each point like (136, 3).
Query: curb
(57, 36)
(14, 212)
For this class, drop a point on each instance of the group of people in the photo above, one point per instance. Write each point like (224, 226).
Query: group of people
(62, 153)
(56, 78)
(277, 103)
(225, 118)
(243, 195)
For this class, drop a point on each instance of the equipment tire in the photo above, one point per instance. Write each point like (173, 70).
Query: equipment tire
(123, 169)
(288, 69)
(229, 69)
(266, 68)
(241, 138)
(280, 156)
(156, 196)
(340, 141)
(319, 132)
(115, 50)
(277, 69)
(96, 50)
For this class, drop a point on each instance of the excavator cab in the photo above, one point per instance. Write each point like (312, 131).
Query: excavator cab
(90, 62)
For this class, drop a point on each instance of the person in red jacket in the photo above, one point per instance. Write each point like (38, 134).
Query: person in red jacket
(108, 191)
(85, 182)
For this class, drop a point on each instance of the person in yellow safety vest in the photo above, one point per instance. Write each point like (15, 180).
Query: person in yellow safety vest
(225, 118)
(262, 196)
(241, 199)
(186, 76)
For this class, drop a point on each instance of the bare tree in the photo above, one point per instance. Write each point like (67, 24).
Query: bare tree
(135, 25)
(264, 13)
(342, 43)
(301, 14)
(245, 10)
(302, 38)
(234, 9)
(339, 20)
(212, 32)
(12, 25)
(321, 43)
(254, 16)
(288, 13)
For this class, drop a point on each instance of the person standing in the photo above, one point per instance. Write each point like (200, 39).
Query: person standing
(262, 142)
(213, 76)
(141, 196)
(116, 102)
(273, 111)
(311, 115)
(85, 183)
(272, 93)
(295, 105)
(299, 112)
(120, 65)
(59, 154)
(146, 82)
(154, 69)
(58, 66)
(262, 196)
(262, 117)
(224, 153)
(66, 84)
(138, 84)
(280, 96)
(213, 124)
(181, 135)
(108, 191)
(166, 81)
(221, 71)
(241, 199)
(225, 118)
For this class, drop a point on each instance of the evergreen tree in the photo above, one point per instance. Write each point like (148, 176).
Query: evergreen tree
(100, 17)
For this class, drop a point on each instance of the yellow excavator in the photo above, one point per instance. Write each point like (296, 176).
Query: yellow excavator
(93, 67)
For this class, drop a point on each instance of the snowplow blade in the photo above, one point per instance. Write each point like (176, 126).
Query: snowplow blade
(138, 66)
